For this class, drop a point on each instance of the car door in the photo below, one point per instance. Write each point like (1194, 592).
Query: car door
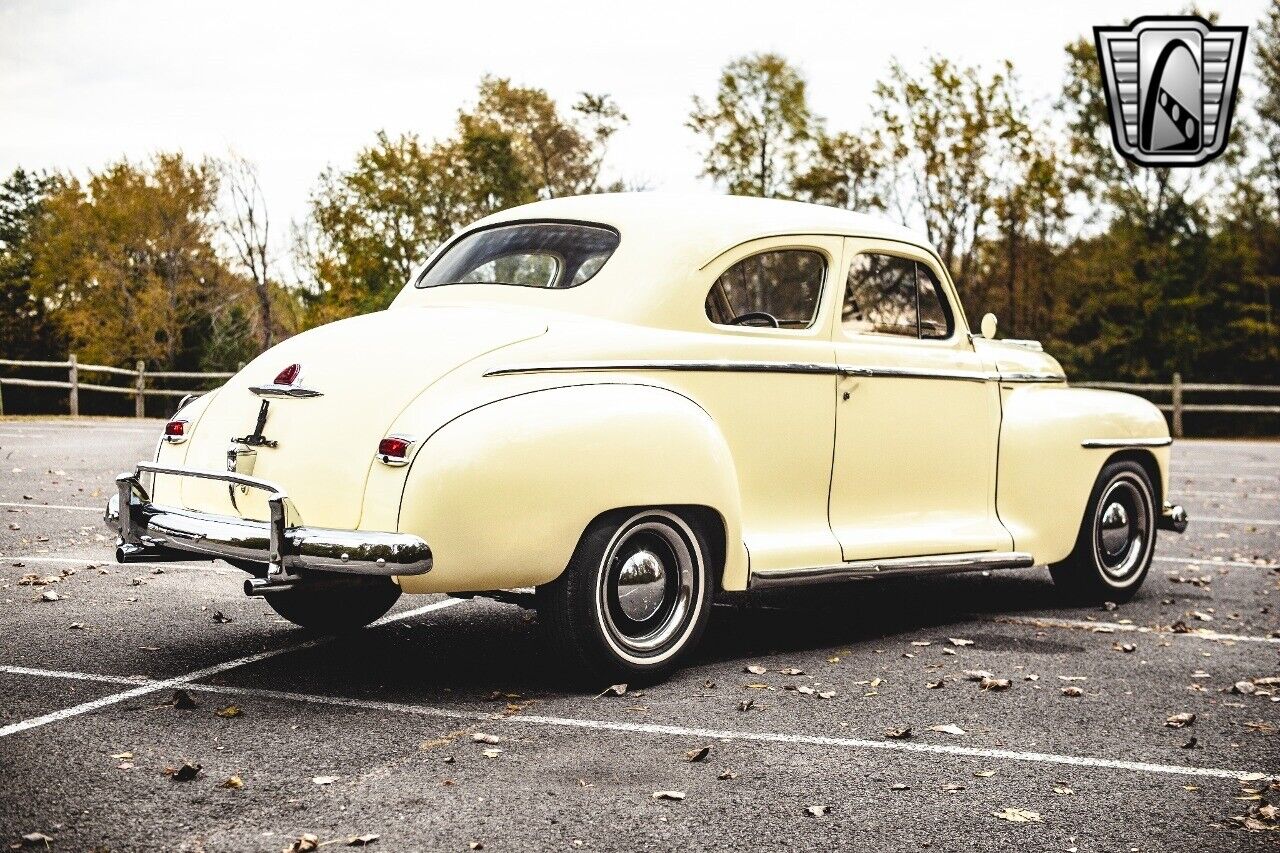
(917, 417)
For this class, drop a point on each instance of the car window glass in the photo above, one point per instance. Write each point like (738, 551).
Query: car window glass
(934, 322)
(783, 284)
(880, 296)
(526, 268)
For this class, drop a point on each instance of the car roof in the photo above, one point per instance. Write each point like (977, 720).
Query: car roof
(712, 221)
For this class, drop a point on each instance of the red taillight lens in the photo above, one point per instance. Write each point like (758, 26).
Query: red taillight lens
(289, 375)
(176, 429)
(394, 447)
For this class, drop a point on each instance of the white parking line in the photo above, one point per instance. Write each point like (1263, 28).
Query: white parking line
(1119, 627)
(1207, 562)
(685, 731)
(184, 680)
(29, 505)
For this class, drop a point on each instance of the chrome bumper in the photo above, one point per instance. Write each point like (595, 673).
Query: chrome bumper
(1173, 517)
(146, 531)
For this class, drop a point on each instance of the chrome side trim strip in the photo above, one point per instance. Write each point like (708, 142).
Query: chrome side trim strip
(1127, 442)
(1031, 377)
(861, 569)
(800, 367)
(680, 365)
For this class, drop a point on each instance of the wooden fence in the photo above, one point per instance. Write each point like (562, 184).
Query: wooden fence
(137, 388)
(1177, 389)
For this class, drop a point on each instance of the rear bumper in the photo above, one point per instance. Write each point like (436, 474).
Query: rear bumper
(1173, 517)
(146, 531)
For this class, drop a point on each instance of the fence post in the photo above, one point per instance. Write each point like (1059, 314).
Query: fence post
(73, 376)
(139, 405)
(1, 398)
(1177, 405)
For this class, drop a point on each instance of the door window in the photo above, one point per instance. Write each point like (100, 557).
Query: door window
(890, 295)
(779, 289)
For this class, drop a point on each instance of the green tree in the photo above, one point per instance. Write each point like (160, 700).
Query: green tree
(26, 330)
(843, 170)
(757, 130)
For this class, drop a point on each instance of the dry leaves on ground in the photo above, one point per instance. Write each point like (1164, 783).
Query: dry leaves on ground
(613, 690)
(958, 641)
(481, 737)
(754, 669)
(1072, 691)
(1017, 815)
(1180, 721)
(232, 782)
(362, 840)
(229, 711)
(693, 756)
(818, 811)
(948, 728)
(668, 795)
(304, 844)
(977, 674)
(898, 734)
(324, 780)
(185, 773)
(994, 684)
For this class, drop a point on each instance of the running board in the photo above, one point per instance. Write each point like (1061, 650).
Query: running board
(940, 564)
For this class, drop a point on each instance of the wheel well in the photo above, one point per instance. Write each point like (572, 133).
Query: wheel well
(1147, 460)
(703, 518)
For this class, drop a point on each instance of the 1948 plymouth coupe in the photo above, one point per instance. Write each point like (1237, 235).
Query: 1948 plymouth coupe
(632, 403)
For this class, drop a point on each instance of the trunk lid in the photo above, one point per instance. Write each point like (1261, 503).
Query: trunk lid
(367, 369)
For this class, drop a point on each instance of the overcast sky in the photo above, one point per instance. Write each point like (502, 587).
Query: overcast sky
(296, 86)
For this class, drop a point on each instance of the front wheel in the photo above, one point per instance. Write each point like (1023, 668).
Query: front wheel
(1117, 537)
(335, 607)
(633, 600)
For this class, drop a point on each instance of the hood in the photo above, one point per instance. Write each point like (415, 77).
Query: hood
(366, 370)
(1017, 356)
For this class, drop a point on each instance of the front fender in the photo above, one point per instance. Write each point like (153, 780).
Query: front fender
(503, 492)
(1045, 472)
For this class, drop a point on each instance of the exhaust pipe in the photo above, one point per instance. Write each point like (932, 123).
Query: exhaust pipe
(255, 587)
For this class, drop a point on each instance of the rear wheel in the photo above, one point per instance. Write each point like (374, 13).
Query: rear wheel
(633, 600)
(1117, 537)
(334, 607)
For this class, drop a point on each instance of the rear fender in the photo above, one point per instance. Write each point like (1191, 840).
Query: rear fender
(504, 492)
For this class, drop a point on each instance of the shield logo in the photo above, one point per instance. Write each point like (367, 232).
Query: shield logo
(1171, 85)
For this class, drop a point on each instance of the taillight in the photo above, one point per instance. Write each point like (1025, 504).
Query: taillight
(394, 449)
(289, 375)
(175, 432)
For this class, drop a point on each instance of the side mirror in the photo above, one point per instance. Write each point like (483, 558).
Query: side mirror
(988, 326)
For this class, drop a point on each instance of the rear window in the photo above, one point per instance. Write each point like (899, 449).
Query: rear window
(533, 254)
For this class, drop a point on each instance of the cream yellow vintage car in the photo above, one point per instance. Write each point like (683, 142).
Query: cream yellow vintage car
(634, 403)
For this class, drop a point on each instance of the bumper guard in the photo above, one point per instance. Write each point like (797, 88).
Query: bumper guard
(146, 531)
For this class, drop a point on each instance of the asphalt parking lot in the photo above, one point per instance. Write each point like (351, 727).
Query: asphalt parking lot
(377, 734)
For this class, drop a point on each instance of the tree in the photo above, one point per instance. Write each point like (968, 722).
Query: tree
(126, 262)
(26, 330)
(758, 127)
(945, 136)
(245, 222)
(843, 171)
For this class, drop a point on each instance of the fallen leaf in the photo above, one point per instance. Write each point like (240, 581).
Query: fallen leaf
(1072, 691)
(481, 737)
(1244, 688)
(898, 734)
(791, 670)
(1203, 617)
(1127, 648)
(898, 786)
(475, 845)
(233, 782)
(952, 787)
(229, 711)
(805, 689)
(362, 840)
(827, 694)
(693, 756)
(1262, 726)
(304, 844)
(220, 617)
(921, 643)
(1179, 721)
(948, 728)
(817, 811)
(977, 674)
(1017, 815)
(754, 669)
(1191, 743)
(613, 690)
(984, 774)
(935, 685)
(727, 774)
(957, 641)
(1062, 789)
(746, 704)
(122, 756)
(668, 795)
(994, 684)
(491, 752)
(186, 772)
(324, 780)
(182, 700)
(32, 838)
(50, 595)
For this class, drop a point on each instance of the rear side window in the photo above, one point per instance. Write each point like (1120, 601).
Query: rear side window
(889, 295)
(531, 254)
(778, 289)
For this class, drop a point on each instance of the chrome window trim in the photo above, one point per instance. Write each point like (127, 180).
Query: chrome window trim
(1127, 442)
(1032, 377)
(915, 373)
(859, 569)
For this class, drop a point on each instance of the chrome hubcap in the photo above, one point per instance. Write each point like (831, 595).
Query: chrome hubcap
(647, 585)
(1122, 529)
(642, 586)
